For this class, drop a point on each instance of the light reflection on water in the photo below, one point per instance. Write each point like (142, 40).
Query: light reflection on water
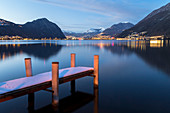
(134, 75)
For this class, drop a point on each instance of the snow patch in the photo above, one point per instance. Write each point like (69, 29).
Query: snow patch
(37, 79)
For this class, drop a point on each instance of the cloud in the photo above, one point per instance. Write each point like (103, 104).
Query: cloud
(102, 7)
(104, 13)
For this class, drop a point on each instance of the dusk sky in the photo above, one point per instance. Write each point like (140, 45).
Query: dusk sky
(78, 15)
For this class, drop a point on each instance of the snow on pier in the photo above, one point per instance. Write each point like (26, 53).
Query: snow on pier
(24, 82)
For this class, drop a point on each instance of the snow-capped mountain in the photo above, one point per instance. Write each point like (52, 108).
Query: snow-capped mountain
(89, 33)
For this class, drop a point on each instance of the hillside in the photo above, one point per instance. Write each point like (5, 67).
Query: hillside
(116, 29)
(156, 23)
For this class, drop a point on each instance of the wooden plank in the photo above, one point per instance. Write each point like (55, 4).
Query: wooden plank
(24, 91)
(75, 76)
(41, 86)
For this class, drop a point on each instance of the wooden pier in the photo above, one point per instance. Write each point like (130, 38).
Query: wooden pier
(30, 84)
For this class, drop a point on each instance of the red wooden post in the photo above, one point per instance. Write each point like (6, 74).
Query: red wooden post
(96, 82)
(55, 83)
(28, 67)
(73, 64)
(96, 70)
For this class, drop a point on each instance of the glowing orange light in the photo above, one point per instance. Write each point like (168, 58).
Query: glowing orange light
(3, 56)
(101, 45)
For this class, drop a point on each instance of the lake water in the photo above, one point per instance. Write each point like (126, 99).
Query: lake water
(134, 76)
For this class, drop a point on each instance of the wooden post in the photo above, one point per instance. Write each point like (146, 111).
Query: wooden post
(31, 97)
(73, 64)
(55, 83)
(73, 60)
(96, 71)
(28, 67)
(96, 82)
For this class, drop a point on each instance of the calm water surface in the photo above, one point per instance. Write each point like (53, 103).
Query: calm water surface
(134, 75)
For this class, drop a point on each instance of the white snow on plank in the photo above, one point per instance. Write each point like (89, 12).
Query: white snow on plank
(37, 79)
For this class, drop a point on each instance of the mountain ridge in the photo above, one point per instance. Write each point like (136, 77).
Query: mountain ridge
(39, 28)
(116, 29)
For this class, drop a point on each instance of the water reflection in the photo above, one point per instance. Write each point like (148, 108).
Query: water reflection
(154, 52)
(70, 103)
(132, 74)
(42, 51)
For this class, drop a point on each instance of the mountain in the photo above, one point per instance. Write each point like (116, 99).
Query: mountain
(5, 23)
(39, 28)
(89, 33)
(116, 29)
(156, 23)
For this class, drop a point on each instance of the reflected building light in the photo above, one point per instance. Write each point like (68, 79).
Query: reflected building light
(133, 44)
(162, 43)
(45, 44)
(136, 44)
(101, 45)
(141, 47)
(18, 45)
(13, 45)
(167, 43)
(156, 43)
(128, 43)
(3, 56)
(44, 62)
(6, 46)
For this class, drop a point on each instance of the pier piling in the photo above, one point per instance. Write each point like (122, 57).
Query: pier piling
(55, 83)
(73, 64)
(28, 67)
(30, 84)
(96, 71)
